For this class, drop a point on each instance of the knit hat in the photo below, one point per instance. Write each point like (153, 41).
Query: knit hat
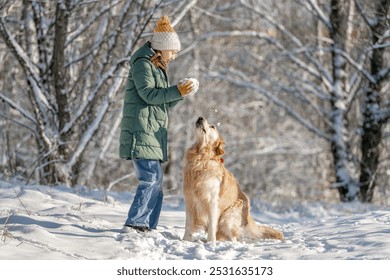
(165, 37)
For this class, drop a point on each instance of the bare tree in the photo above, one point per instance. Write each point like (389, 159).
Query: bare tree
(267, 69)
(325, 75)
(73, 57)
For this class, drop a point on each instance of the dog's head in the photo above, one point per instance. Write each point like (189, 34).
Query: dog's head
(207, 136)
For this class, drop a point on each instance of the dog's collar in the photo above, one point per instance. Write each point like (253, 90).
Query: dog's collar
(220, 160)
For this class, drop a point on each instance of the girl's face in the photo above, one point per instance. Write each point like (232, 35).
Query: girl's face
(167, 56)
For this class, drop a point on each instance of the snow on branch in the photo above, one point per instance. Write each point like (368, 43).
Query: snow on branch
(6, 7)
(323, 17)
(113, 39)
(275, 100)
(93, 127)
(116, 181)
(41, 27)
(318, 71)
(90, 51)
(371, 22)
(183, 11)
(271, 20)
(238, 33)
(358, 66)
(384, 115)
(381, 46)
(213, 15)
(18, 108)
(82, 28)
(7, 117)
(382, 74)
(302, 95)
(35, 82)
(88, 101)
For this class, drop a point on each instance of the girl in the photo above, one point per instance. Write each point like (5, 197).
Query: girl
(144, 125)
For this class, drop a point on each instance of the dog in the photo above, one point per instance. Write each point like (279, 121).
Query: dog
(214, 201)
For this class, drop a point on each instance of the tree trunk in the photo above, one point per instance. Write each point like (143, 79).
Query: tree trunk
(59, 72)
(342, 157)
(372, 125)
(371, 138)
(54, 155)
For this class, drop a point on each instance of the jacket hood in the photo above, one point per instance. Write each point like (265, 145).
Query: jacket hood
(145, 51)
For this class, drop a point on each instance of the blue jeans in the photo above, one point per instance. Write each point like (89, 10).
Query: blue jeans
(146, 207)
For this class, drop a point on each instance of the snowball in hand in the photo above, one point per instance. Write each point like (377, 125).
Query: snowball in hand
(195, 85)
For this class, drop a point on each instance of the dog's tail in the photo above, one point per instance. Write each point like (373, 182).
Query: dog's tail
(255, 231)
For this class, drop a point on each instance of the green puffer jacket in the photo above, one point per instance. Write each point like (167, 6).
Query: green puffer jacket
(148, 98)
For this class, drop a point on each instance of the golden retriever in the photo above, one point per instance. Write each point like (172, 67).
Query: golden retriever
(213, 198)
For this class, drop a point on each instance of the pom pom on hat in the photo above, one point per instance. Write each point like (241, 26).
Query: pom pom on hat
(164, 25)
(164, 36)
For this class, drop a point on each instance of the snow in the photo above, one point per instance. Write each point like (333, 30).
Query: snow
(61, 223)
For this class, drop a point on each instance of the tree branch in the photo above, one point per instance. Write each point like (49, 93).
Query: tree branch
(323, 17)
(183, 11)
(18, 108)
(19, 123)
(28, 67)
(93, 93)
(276, 101)
(83, 28)
(383, 74)
(92, 128)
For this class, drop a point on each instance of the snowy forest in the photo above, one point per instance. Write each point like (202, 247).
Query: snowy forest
(299, 90)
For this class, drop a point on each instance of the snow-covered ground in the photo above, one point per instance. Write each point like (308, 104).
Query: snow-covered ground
(44, 223)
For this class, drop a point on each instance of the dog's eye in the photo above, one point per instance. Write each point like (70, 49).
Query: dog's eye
(211, 126)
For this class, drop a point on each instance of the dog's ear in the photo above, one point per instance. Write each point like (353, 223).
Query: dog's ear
(219, 151)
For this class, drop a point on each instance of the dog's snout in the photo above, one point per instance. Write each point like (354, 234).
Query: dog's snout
(199, 121)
